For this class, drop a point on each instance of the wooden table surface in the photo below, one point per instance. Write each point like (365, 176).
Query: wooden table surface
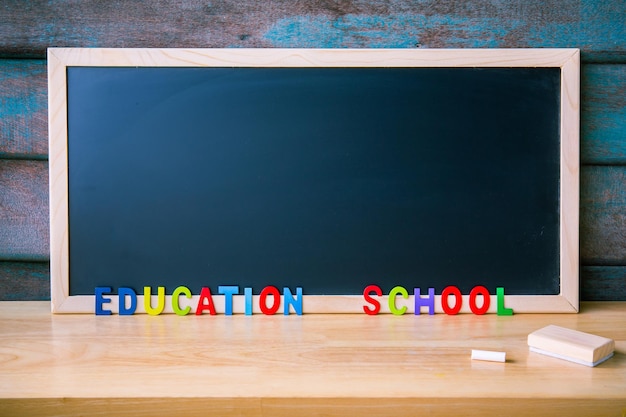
(306, 365)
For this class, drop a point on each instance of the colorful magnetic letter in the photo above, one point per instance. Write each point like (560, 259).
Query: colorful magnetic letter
(479, 290)
(290, 300)
(122, 292)
(374, 302)
(247, 293)
(175, 300)
(269, 290)
(451, 290)
(427, 301)
(392, 300)
(228, 291)
(101, 300)
(147, 301)
(205, 302)
(502, 310)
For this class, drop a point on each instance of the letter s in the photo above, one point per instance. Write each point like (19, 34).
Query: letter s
(368, 298)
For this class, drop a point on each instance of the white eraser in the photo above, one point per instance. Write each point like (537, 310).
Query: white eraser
(571, 345)
(488, 355)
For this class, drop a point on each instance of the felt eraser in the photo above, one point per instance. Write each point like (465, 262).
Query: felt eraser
(572, 345)
(488, 355)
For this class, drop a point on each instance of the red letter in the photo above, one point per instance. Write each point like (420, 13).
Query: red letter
(205, 294)
(486, 300)
(263, 297)
(451, 290)
(373, 301)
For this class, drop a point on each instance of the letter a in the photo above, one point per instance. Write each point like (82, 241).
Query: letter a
(205, 302)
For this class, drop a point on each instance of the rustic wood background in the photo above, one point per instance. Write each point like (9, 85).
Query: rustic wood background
(27, 28)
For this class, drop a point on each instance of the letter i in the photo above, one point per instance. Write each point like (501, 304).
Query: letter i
(247, 292)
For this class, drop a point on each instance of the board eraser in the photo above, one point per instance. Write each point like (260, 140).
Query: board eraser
(488, 355)
(571, 345)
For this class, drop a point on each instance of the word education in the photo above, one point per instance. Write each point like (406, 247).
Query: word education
(269, 300)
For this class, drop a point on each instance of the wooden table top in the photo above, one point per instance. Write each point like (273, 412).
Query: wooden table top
(316, 364)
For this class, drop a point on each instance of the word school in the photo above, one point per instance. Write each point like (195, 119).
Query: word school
(428, 301)
(269, 300)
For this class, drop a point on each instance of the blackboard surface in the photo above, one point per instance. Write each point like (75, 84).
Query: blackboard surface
(329, 179)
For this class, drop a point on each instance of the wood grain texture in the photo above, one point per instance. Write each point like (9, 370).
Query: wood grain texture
(603, 114)
(603, 283)
(596, 27)
(300, 365)
(569, 270)
(24, 225)
(310, 407)
(579, 347)
(24, 281)
(23, 109)
(603, 215)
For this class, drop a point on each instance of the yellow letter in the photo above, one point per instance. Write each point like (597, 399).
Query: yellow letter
(147, 304)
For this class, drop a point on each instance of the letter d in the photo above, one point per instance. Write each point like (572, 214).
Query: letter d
(122, 292)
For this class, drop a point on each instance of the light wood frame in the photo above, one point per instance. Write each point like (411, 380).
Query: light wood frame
(568, 60)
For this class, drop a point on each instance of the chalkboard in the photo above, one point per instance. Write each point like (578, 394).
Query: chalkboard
(328, 176)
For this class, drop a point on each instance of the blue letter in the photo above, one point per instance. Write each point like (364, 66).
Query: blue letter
(99, 301)
(247, 292)
(122, 292)
(289, 300)
(228, 291)
(421, 302)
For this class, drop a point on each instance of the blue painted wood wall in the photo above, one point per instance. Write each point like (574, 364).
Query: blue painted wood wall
(27, 28)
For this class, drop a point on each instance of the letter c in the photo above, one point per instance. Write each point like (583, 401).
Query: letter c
(392, 300)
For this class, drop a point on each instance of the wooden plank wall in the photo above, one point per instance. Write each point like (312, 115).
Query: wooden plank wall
(27, 28)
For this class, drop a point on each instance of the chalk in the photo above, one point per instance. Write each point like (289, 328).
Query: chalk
(571, 345)
(488, 355)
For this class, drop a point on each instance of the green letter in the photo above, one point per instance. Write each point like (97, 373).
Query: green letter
(502, 310)
(175, 306)
(392, 300)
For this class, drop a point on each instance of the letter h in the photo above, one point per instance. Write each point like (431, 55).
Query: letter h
(423, 302)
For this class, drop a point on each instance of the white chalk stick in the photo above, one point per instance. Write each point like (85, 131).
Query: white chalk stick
(571, 345)
(488, 355)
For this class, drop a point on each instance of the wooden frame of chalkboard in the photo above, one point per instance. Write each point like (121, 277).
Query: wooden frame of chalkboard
(564, 189)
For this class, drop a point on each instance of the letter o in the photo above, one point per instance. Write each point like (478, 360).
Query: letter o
(269, 290)
(451, 290)
(479, 290)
